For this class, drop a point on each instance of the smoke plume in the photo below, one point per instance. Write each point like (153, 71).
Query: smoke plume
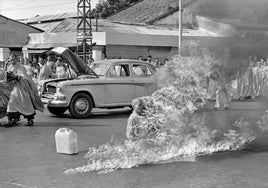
(252, 12)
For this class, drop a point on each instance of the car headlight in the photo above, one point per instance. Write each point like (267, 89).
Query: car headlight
(58, 89)
(59, 95)
(40, 89)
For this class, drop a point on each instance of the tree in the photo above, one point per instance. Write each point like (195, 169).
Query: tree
(106, 8)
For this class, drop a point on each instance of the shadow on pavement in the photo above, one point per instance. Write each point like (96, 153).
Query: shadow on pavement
(256, 147)
(104, 114)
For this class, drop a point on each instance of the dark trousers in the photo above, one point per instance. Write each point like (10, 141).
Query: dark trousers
(16, 115)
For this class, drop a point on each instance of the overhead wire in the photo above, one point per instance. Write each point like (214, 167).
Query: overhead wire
(34, 7)
(17, 5)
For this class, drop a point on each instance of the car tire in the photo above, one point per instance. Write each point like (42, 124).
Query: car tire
(81, 106)
(58, 111)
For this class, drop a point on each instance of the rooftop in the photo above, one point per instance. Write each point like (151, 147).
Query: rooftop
(49, 18)
(69, 25)
(147, 11)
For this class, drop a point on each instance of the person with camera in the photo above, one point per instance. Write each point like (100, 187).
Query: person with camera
(24, 98)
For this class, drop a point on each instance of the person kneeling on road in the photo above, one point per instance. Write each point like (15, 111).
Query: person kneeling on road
(138, 125)
(134, 129)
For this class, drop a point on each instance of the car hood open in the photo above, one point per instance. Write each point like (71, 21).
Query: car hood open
(77, 64)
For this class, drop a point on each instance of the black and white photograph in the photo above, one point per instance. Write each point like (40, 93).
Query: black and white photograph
(133, 93)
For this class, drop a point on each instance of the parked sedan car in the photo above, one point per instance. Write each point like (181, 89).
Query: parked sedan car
(105, 84)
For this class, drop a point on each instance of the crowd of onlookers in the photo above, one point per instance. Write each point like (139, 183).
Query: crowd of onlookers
(156, 61)
(45, 67)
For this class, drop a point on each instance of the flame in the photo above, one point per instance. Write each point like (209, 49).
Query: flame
(164, 146)
(180, 134)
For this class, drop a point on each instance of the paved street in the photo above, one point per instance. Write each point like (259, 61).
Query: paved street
(28, 158)
(104, 53)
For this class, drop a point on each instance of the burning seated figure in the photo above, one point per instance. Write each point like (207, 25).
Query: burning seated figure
(134, 130)
(138, 125)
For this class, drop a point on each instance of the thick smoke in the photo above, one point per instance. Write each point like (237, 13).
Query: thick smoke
(244, 11)
(184, 135)
(247, 17)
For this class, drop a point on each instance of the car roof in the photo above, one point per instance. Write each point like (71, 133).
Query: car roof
(111, 61)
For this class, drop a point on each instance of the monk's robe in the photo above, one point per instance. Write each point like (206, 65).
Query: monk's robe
(24, 97)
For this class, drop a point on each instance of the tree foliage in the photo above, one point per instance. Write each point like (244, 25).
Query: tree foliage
(107, 7)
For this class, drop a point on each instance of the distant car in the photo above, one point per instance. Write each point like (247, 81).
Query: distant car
(105, 84)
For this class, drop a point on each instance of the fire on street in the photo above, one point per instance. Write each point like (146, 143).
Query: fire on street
(30, 158)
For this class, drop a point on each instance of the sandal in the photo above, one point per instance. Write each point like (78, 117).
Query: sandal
(30, 123)
(15, 120)
(8, 124)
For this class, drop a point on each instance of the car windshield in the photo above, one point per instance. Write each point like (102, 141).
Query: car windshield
(100, 68)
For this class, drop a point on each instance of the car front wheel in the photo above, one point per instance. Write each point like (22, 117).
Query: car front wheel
(58, 111)
(81, 106)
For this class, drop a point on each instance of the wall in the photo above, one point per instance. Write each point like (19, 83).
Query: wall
(48, 40)
(228, 49)
(141, 39)
(14, 34)
(161, 46)
(133, 52)
(4, 54)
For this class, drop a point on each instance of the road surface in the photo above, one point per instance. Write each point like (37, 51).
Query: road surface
(28, 156)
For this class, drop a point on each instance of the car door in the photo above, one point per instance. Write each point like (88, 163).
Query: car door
(144, 82)
(119, 87)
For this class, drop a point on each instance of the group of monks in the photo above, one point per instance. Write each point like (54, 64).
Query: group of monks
(252, 81)
(249, 83)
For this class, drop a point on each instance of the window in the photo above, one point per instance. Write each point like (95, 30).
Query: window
(120, 71)
(99, 68)
(141, 70)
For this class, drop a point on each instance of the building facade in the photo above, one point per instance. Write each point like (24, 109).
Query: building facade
(150, 27)
(13, 36)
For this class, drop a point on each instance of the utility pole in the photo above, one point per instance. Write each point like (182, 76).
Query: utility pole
(1, 4)
(84, 30)
(180, 27)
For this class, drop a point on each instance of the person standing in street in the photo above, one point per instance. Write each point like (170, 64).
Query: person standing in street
(149, 59)
(61, 70)
(223, 90)
(24, 98)
(165, 62)
(2, 72)
(156, 63)
(41, 61)
(46, 71)
(21, 60)
(140, 58)
(29, 68)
